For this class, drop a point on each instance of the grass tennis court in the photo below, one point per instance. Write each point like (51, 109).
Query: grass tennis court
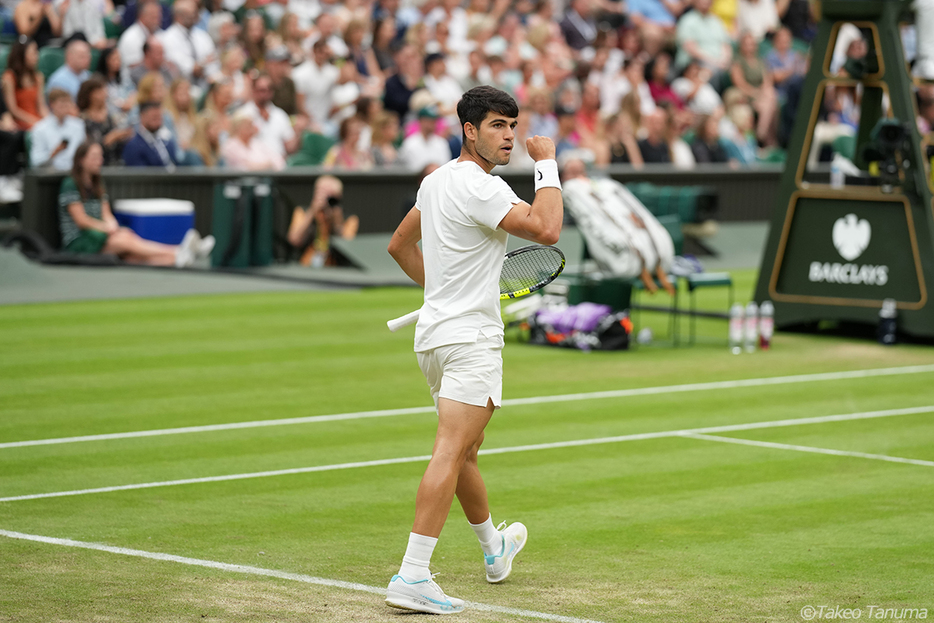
(666, 513)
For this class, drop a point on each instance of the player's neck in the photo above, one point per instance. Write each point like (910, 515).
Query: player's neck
(469, 154)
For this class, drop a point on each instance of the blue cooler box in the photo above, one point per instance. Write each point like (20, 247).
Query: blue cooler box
(160, 220)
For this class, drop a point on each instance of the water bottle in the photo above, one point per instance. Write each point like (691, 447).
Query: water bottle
(766, 324)
(837, 176)
(887, 316)
(736, 328)
(752, 326)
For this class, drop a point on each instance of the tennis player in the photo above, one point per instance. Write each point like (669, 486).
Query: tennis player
(463, 216)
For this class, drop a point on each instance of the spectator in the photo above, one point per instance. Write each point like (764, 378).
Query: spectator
(443, 88)
(310, 230)
(253, 38)
(693, 87)
(148, 23)
(798, 17)
(233, 63)
(655, 20)
(290, 32)
(84, 18)
(23, 92)
(329, 31)
(152, 145)
(361, 53)
(542, 119)
(12, 158)
(384, 33)
(579, 26)
(38, 20)
(401, 85)
(567, 138)
(99, 125)
(677, 123)
(121, 92)
(284, 93)
(654, 147)
(759, 17)
(219, 101)
(702, 37)
(190, 49)
(69, 76)
(223, 30)
(205, 144)
(181, 109)
(657, 71)
(346, 154)
(622, 143)
(244, 150)
(314, 81)
(57, 136)
(275, 127)
(152, 88)
(753, 80)
(706, 146)
(726, 10)
(784, 63)
(385, 134)
(741, 146)
(478, 72)
(425, 146)
(153, 61)
(88, 225)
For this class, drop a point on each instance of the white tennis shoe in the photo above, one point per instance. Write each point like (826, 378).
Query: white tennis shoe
(499, 566)
(421, 596)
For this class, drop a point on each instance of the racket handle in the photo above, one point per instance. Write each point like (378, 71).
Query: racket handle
(403, 321)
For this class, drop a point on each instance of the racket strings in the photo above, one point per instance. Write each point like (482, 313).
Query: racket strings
(529, 269)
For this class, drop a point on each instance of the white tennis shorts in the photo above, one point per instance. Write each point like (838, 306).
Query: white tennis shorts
(468, 373)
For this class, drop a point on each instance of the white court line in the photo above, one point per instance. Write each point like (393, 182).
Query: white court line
(272, 573)
(788, 446)
(620, 393)
(508, 450)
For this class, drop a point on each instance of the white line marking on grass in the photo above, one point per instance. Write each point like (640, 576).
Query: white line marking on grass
(508, 450)
(620, 393)
(272, 573)
(788, 446)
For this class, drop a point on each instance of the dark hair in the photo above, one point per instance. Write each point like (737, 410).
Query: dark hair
(102, 64)
(77, 173)
(478, 101)
(16, 62)
(87, 87)
(148, 105)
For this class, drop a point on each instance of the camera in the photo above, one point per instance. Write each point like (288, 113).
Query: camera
(334, 201)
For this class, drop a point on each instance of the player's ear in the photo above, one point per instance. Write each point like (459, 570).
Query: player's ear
(470, 131)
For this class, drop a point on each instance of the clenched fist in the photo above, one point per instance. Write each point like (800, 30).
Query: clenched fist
(540, 148)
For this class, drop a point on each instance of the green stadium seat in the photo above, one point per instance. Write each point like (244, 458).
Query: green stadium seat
(314, 148)
(95, 59)
(50, 59)
(4, 55)
(845, 146)
(112, 30)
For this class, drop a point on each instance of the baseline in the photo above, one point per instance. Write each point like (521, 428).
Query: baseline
(620, 393)
(489, 452)
(812, 449)
(272, 573)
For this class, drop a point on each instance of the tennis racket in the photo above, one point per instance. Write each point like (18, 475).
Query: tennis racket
(524, 271)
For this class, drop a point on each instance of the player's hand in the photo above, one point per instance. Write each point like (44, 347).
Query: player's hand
(540, 148)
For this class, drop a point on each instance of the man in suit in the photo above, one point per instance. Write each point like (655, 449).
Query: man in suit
(579, 25)
(152, 146)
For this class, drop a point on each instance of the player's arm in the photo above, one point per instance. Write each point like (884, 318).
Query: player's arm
(404, 246)
(541, 221)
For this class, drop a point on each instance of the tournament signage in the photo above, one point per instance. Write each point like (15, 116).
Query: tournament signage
(843, 252)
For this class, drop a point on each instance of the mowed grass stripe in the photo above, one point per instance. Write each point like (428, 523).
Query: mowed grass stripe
(485, 452)
(272, 573)
(603, 395)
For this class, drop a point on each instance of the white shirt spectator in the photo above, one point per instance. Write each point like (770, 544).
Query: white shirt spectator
(417, 151)
(48, 134)
(186, 47)
(131, 44)
(274, 131)
(84, 16)
(705, 100)
(445, 90)
(316, 84)
(757, 17)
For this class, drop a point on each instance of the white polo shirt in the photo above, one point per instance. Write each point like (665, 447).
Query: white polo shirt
(274, 131)
(461, 209)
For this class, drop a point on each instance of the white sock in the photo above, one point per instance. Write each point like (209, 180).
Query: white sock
(490, 539)
(417, 557)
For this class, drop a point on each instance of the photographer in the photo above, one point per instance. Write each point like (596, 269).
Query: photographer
(311, 230)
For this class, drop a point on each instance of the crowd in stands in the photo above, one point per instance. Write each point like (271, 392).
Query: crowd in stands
(361, 84)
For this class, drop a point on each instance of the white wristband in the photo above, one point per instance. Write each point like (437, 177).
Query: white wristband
(546, 175)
